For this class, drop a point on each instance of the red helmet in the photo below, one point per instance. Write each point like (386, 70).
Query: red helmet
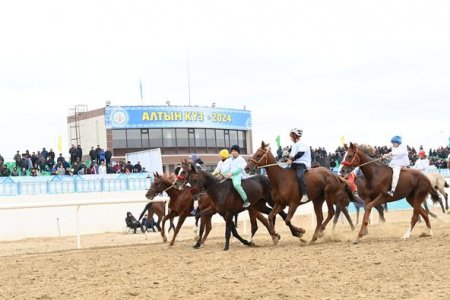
(422, 154)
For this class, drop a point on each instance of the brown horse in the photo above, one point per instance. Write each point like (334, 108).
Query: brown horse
(322, 184)
(412, 184)
(158, 209)
(180, 204)
(226, 199)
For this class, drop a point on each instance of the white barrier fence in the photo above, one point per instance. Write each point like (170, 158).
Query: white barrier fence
(77, 204)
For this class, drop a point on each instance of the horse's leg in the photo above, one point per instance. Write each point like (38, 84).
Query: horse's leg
(227, 234)
(319, 216)
(336, 216)
(330, 215)
(425, 204)
(442, 191)
(236, 220)
(357, 214)
(294, 230)
(424, 215)
(180, 222)
(275, 210)
(253, 224)
(365, 222)
(263, 220)
(208, 227)
(234, 231)
(200, 235)
(380, 210)
(347, 216)
(163, 230)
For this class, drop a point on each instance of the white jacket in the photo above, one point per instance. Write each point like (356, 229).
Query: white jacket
(399, 157)
(422, 165)
(235, 166)
(222, 166)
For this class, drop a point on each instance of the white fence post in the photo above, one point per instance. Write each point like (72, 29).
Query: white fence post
(78, 228)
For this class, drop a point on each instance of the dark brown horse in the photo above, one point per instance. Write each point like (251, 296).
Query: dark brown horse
(180, 204)
(322, 184)
(226, 199)
(412, 185)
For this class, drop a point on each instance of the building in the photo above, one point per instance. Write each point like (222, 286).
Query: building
(177, 130)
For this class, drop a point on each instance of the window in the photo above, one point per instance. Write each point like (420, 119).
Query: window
(119, 138)
(169, 137)
(241, 139)
(200, 139)
(233, 138)
(220, 135)
(134, 138)
(227, 139)
(155, 136)
(144, 138)
(210, 138)
(182, 137)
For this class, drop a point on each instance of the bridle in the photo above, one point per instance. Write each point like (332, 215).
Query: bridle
(262, 157)
(356, 153)
(153, 191)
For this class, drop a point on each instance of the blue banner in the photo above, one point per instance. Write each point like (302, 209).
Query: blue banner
(176, 116)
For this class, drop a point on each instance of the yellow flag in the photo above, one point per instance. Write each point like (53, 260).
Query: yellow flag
(59, 143)
(342, 140)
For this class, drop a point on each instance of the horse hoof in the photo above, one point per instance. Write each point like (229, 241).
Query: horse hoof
(312, 242)
(278, 236)
(303, 241)
(275, 241)
(164, 240)
(251, 244)
(226, 248)
(196, 246)
(355, 242)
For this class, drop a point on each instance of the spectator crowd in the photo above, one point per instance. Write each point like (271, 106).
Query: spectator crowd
(46, 163)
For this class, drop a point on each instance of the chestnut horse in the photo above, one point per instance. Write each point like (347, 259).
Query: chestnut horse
(322, 184)
(226, 199)
(180, 204)
(412, 184)
(158, 208)
(361, 190)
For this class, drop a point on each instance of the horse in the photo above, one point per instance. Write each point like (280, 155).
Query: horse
(321, 182)
(226, 199)
(180, 204)
(158, 208)
(439, 183)
(412, 184)
(360, 183)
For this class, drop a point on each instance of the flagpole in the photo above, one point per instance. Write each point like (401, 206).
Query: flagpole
(140, 88)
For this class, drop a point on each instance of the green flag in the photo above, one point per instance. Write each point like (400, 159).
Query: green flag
(278, 141)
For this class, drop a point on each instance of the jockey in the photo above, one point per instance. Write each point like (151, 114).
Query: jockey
(422, 163)
(399, 155)
(300, 160)
(351, 183)
(235, 171)
(221, 165)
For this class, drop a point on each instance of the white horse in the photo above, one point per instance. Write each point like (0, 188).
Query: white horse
(439, 183)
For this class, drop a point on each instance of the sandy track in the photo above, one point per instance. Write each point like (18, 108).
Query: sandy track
(381, 267)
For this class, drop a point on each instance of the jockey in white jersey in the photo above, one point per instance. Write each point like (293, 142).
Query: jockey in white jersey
(422, 164)
(221, 165)
(300, 160)
(399, 159)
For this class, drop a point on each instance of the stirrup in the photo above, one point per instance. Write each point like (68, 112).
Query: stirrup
(246, 204)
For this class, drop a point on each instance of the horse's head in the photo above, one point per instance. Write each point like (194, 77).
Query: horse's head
(189, 174)
(351, 159)
(259, 158)
(159, 185)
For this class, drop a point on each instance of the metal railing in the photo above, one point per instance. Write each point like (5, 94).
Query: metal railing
(60, 184)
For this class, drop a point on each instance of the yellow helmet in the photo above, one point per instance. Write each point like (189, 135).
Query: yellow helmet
(224, 153)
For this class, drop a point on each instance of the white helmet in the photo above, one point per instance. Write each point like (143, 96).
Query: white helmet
(297, 131)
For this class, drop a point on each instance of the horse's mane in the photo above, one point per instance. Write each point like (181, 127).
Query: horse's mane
(367, 150)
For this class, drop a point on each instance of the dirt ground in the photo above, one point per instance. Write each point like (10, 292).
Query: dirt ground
(126, 266)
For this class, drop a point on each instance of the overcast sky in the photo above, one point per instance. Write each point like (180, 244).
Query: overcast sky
(364, 69)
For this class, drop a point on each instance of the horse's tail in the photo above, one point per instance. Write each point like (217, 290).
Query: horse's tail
(145, 209)
(349, 193)
(434, 195)
(446, 184)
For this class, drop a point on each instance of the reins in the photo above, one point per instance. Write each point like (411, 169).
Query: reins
(265, 166)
